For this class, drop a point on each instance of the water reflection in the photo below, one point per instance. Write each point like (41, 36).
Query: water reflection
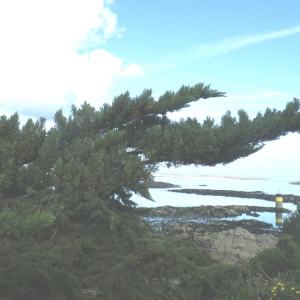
(278, 218)
(275, 218)
(162, 197)
(267, 217)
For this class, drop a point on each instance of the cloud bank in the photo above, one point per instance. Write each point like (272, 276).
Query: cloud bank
(51, 54)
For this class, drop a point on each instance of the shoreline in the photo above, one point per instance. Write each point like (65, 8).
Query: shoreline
(288, 198)
(214, 227)
(230, 241)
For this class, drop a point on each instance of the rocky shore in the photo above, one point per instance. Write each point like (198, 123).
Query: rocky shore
(230, 241)
(239, 194)
(208, 211)
(295, 182)
(216, 228)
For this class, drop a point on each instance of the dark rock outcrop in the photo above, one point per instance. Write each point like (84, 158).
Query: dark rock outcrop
(227, 240)
(162, 185)
(240, 194)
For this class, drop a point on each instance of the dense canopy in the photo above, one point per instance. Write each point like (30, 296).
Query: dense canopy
(88, 165)
(93, 155)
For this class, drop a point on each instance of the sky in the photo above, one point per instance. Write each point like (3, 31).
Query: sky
(57, 53)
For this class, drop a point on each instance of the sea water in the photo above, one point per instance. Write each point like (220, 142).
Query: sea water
(194, 178)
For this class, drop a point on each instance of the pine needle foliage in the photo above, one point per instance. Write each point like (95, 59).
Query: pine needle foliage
(66, 214)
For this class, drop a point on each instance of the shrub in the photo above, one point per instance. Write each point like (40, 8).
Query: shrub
(14, 225)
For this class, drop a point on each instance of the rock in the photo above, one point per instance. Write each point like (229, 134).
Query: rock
(231, 242)
(240, 194)
(240, 245)
(230, 246)
(161, 185)
(295, 182)
(206, 211)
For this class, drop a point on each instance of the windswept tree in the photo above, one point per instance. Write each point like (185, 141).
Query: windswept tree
(86, 168)
(91, 162)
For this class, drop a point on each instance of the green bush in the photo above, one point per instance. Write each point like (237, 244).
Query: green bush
(35, 272)
(165, 268)
(291, 224)
(14, 225)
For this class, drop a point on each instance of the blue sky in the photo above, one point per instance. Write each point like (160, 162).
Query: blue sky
(55, 53)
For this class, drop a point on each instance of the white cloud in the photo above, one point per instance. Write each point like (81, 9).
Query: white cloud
(207, 50)
(50, 54)
(132, 70)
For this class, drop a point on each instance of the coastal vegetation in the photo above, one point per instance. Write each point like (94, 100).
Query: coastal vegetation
(68, 227)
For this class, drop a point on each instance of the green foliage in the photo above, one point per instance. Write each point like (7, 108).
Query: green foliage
(274, 273)
(66, 215)
(18, 148)
(14, 225)
(154, 268)
(33, 271)
(291, 225)
(286, 256)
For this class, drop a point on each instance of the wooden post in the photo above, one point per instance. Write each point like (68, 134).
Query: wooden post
(279, 212)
